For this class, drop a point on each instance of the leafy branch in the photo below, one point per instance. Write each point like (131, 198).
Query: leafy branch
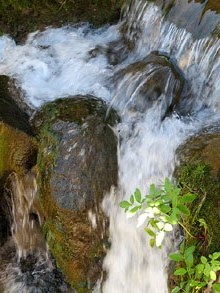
(160, 211)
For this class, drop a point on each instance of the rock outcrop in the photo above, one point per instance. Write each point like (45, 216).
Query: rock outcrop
(77, 165)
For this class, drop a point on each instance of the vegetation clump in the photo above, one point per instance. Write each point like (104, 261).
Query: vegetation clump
(163, 208)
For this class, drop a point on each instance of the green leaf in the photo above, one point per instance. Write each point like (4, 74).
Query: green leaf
(176, 290)
(202, 223)
(190, 249)
(200, 268)
(152, 242)
(164, 208)
(216, 287)
(212, 275)
(188, 255)
(184, 209)
(167, 184)
(203, 259)
(182, 247)
(134, 210)
(207, 270)
(152, 190)
(176, 256)
(132, 199)
(137, 195)
(150, 232)
(193, 283)
(187, 198)
(180, 272)
(201, 285)
(189, 260)
(124, 204)
(215, 255)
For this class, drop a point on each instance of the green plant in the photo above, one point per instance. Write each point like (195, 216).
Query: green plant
(195, 276)
(161, 209)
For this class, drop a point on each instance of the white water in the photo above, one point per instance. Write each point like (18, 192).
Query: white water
(56, 63)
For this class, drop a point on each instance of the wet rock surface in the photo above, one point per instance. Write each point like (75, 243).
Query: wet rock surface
(34, 274)
(13, 109)
(145, 84)
(77, 162)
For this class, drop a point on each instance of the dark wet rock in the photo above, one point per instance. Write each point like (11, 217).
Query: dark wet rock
(77, 164)
(115, 52)
(34, 274)
(199, 172)
(13, 109)
(4, 227)
(144, 83)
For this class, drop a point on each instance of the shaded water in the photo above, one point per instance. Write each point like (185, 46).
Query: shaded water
(78, 60)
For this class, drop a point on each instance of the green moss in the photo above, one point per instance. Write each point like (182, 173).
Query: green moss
(76, 248)
(18, 17)
(3, 154)
(17, 150)
(198, 178)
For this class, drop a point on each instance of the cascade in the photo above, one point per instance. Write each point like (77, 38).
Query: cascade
(77, 60)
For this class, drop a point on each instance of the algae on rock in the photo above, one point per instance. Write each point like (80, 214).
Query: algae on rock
(77, 164)
(199, 173)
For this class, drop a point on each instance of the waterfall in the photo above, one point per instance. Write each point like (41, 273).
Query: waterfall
(75, 60)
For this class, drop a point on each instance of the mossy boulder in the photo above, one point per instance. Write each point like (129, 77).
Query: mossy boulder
(77, 165)
(144, 83)
(199, 172)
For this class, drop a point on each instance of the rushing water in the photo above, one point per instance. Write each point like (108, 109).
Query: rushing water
(75, 60)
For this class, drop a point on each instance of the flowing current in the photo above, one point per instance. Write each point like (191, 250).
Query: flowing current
(77, 60)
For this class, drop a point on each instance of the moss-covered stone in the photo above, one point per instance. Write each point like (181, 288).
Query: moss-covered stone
(77, 164)
(199, 173)
(17, 150)
(19, 17)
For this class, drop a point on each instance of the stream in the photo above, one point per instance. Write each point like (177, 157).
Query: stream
(112, 63)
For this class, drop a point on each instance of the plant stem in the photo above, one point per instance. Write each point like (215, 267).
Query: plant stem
(185, 229)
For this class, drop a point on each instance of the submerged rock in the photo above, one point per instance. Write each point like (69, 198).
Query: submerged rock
(155, 79)
(77, 165)
(35, 273)
(199, 172)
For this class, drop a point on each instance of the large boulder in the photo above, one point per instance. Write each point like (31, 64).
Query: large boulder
(77, 165)
(155, 79)
(199, 172)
